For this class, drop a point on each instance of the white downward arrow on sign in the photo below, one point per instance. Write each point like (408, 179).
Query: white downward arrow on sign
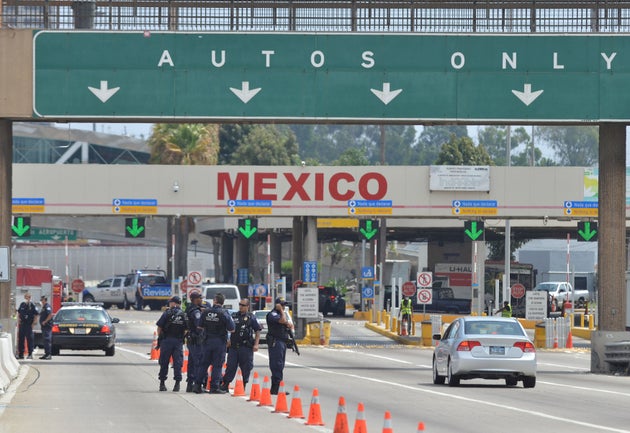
(386, 95)
(244, 93)
(527, 96)
(104, 93)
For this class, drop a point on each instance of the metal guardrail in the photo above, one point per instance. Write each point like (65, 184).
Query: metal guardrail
(421, 16)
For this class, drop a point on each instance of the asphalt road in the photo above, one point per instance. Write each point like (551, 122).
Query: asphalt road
(88, 392)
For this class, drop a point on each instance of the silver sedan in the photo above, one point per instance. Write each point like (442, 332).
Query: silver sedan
(485, 348)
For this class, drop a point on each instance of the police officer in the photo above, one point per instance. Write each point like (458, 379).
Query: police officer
(27, 313)
(171, 330)
(406, 312)
(194, 339)
(217, 322)
(242, 345)
(278, 326)
(45, 321)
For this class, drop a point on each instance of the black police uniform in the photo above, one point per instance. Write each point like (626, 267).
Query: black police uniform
(173, 325)
(46, 316)
(216, 322)
(27, 313)
(277, 337)
(241, 352)
(194, 343)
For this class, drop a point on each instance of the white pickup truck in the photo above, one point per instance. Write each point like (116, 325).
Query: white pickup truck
(562, 291)
(111, 291)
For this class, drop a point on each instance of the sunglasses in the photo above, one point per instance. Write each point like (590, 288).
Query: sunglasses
(243, 305)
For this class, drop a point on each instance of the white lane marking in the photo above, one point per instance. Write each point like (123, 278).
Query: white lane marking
(5, 399)
(554, 417)
(142, 355)
(376, 356)
(584, 388)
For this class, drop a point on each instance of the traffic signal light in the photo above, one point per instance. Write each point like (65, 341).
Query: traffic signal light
(21, 227)
(134, 227)
(247, 227)
(474, 230)
(587, 231)
(368, 228)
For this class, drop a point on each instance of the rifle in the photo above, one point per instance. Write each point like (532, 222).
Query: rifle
(292, 342)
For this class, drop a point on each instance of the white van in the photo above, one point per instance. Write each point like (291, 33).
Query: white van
(230, 291)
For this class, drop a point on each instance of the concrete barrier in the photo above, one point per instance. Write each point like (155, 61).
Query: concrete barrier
(8, 363)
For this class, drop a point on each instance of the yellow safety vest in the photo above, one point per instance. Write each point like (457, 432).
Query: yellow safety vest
(406, 306)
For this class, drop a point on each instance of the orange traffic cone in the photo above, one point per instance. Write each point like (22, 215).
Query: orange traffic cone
(281, 400)
(341, 421)
(403, 328)
(387, 423)
(555, 340)
(360, 424)
(420, 426)
(569, 340)
(209, 381)
(254, 394)
(155, 352)
(315, 412)
(239, 388)
(296, 404)
(185, 365)
(265, 395)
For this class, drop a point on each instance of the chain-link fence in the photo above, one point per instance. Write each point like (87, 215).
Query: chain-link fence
(427, 16)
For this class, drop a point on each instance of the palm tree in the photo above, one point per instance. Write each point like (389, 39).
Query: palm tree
(183, 144)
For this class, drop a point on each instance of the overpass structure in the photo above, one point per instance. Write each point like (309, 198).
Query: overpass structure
(501, 63)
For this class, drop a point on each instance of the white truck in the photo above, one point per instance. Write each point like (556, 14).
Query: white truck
(111, 291)
(561, 291)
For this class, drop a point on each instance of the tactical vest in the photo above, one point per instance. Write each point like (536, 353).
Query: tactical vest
(214, 321)
(175, 324)
(244, 332)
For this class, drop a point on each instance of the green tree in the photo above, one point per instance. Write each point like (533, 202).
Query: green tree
(183, 144)
(266, 145)
(494, 139)
(576, 146)
(431, 140)
(462, 151)
(230, 138)
(352, 157)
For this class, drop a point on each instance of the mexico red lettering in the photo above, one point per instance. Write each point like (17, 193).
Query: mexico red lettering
(275, 186)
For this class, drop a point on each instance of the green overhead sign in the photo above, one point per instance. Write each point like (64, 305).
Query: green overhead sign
(404, 77)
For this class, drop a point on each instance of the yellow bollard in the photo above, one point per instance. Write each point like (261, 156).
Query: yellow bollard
(591, 322)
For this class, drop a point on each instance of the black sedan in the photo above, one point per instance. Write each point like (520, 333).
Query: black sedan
(83, 326)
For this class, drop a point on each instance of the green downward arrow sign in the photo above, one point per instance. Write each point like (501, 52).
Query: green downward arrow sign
(247, 231)
(135, 230)
(368, 232)
(473, 233)
(21, 227)
(587, 234)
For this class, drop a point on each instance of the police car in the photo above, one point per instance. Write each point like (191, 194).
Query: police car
(83, 326)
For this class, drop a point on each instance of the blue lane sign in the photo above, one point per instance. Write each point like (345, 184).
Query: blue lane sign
(310, 272)
(474, 203)
(367, 293)
(367, 272)
(581, 204)
(370, 203)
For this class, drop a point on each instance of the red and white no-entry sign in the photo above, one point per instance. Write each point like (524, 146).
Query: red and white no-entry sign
(425, 279)
(425, 296)
(194, 278)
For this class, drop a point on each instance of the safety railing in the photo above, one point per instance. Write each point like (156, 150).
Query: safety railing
(426, 16)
